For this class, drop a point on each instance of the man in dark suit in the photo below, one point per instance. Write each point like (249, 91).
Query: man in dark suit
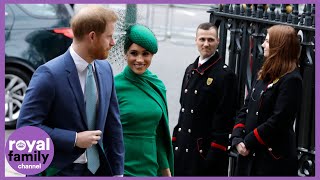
(73, 99)
(208, 99)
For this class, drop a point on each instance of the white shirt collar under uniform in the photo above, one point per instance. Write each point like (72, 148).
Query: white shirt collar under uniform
(202, 61)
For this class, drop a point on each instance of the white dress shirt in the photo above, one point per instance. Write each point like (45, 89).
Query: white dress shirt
(81, 66)
(201, 61)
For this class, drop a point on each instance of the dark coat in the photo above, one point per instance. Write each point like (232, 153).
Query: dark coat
(200, 139)
(265, 125)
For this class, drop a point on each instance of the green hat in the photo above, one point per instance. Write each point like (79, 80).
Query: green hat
(142, 36)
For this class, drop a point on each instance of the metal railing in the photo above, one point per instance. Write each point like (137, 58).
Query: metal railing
(243, 28)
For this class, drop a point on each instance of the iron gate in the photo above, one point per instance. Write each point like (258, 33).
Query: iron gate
(243, 28)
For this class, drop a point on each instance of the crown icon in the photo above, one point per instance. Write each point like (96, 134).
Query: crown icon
(21, 145)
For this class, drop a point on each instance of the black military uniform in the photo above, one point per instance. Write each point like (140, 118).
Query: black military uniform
(200, 139)
(265, 125)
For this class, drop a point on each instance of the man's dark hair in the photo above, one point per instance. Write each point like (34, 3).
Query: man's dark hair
(207, 26)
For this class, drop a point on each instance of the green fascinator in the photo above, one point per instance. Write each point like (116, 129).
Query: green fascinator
(142, 36)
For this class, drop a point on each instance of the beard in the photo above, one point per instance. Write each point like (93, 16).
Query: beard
(99, 53)
(104, 55)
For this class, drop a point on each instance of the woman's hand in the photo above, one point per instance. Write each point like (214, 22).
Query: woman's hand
(166, 172)
(241, 148)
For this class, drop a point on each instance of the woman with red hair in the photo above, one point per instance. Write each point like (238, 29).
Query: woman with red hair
(263, 134)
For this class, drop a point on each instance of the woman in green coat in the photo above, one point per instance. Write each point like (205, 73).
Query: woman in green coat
(143, 108)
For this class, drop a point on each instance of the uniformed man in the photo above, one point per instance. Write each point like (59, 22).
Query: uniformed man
(208, 105)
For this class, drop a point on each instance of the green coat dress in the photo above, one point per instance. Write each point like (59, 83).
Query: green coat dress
(144, 118)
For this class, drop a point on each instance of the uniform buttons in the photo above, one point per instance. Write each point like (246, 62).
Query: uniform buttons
(187, 150)
(192, 72)
(189, 130)
(225, 66)
(191, 111)
(176, 148)
(179, 129)
(195, 92)
(200, 151)
(182, 109)
(247, 111)
(257, 113)
(243, 131)
(254, 154)
(269, 149)
(186, 90)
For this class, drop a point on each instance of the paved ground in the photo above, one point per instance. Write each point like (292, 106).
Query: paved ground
(9, 172)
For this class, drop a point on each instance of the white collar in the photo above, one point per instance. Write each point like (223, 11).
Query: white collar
(202, 61)
(80, 63)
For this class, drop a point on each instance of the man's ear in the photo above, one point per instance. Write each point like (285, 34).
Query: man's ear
(195, 39)
(92, 35)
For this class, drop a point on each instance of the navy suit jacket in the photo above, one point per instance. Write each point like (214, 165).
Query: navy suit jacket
(54, 102)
